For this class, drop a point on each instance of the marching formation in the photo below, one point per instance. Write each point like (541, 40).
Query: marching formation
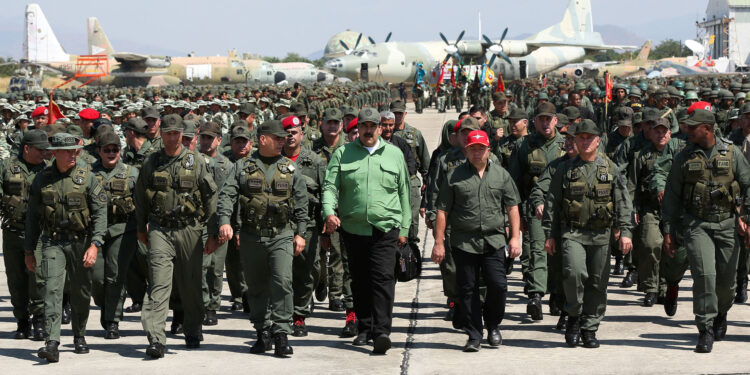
(302, 194)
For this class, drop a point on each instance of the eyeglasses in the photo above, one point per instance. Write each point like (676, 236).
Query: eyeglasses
(111, 150)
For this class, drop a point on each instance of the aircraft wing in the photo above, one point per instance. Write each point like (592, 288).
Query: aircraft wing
(129, 58)
(591, 47)
(144, 74)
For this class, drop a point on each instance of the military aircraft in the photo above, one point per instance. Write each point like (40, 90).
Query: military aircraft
(540, 53)
(637, 65)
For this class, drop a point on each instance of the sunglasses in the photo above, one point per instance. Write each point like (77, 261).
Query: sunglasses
(111, 150)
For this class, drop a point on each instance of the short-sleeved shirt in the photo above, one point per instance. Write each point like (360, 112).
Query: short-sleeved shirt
(475, 204)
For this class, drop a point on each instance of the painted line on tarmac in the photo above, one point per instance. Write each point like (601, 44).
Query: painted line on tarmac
(413, 317)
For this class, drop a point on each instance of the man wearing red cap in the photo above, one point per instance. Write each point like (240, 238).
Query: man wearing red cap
(40, 117)
(352, 133)
(313, 169)
(469, 199)
(88, 115)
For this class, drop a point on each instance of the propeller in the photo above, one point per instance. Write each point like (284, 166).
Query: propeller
(451, 49)
(387, 38)
(348, 50)
(496, 48)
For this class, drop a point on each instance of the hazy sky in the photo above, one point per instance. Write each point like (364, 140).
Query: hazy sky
(277, 27)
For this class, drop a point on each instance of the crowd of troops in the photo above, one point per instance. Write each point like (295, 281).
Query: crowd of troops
(141, 192)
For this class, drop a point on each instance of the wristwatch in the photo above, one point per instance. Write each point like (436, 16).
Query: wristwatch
(97, 244)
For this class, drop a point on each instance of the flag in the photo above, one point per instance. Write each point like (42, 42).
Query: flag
(500, 83)
(453, 76)
(489, 76)
(608, 86)
(54, 111)
(440, 79)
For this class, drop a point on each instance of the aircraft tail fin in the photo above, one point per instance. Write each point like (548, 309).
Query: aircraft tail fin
(645, 51)
(576, 27)
(41, 43)
(98, 42)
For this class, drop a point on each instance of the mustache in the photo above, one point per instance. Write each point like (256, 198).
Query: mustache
(368, 134)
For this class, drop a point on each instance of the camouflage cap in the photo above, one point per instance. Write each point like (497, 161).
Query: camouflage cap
(137, 125)
(398, 106)
(55, 128)
(211, 128)
(650, 114)
(189, 128)
(75, 130)
(332, 114)
(272, 127)
(241, 131)
(64, 141)
(171, 122)
(701, 116)
(661, 122)
(368, 114)
(299, 109)
(586, 126)
(36, 138)
(107, 138)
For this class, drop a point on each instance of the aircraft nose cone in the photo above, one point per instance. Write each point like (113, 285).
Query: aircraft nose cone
(333, 64)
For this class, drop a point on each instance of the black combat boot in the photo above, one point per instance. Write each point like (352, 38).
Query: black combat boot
(534, 307)
(112, 331)
(554, 308)
(155, 350)
(741, 296)
(619, 268)
(177, 319)
(649, 300)
(65, 313)
(629, 280)
(38, 324)
(49, 351)
(263, 344)
(321, 292)
(705, 341)
(670, 304)
(79, 345)
(23, 330)
(720, 326)
(210, 319)
(589, 339)
(572, 331)
(561, 321)
(281, 345)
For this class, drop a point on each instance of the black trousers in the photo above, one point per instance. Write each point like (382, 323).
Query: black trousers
(469, 309)
(372, 265)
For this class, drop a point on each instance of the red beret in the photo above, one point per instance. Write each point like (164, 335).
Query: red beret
(40, 111)
(352, 125)
(290, 122)
(699, 105)
(458, 126)
(88, 114)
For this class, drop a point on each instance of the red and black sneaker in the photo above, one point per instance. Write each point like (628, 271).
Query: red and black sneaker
(299, 329)
(350, 328)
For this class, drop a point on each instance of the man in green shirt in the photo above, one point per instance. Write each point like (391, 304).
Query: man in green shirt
(368, 182)
(470, 198)
(587, 195)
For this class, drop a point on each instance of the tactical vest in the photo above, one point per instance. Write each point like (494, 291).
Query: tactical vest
(175, 195)
(645, 197)
(65, 209)
(120, 196)
(307, 169)
(710, 191)
(589, 204)
(410, 135)
(266, 207)
(15, 199)
(537, 162)
(506, 150)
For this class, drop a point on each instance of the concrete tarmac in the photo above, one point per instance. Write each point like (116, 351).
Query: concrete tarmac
(634, 339)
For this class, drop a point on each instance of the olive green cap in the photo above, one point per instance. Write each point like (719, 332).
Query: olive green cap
(211, 128)
(242, 131)
(348, 110)
(587, 126)
(398, 106)
(36, 138)
(64, 141)
(624, 116)
(75, 130)
(573, 113)
(498, 97)
(137, 125)
(247, 108)
(189, 128)
(469, 123)
(562, 120)
(545, 109)
(701, 116)
(368, 114)
(151, 112)
(745, 108)
(661, 122)
(332, 114)
(272, 127)
(171, 122)
(517, 114)
(108, 138)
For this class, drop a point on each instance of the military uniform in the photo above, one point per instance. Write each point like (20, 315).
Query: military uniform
(174, 195)
(527, 164)
(25, 287)
(72, 209)
(120, 242)
(704, 189)
(273, 202)
(585, 199)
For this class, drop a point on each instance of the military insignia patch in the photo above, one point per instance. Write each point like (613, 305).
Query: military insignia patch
(189, 160)
(79, 180)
